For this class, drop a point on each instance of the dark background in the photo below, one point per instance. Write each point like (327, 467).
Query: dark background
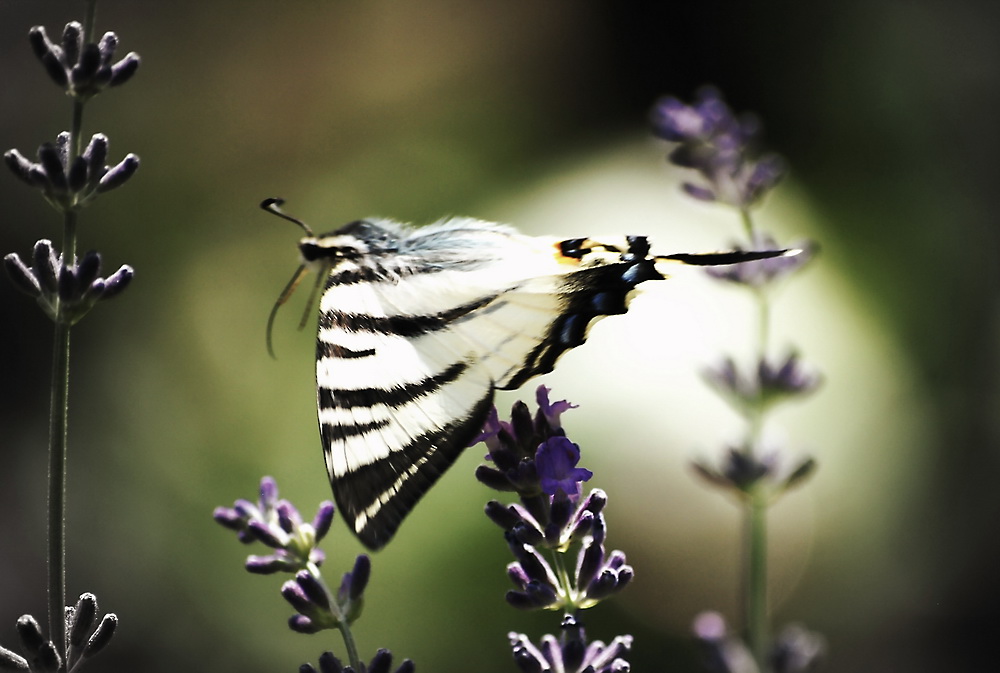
(886, 114)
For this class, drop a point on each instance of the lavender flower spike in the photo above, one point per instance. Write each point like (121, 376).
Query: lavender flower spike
(718, 145)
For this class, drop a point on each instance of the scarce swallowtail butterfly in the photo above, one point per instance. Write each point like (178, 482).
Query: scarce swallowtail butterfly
(418, 326)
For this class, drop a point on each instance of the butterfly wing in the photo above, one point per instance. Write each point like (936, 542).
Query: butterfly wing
(412, 345)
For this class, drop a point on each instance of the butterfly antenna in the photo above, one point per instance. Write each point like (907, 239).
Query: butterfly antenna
(273, 206)
(734, 257)
(285, 294)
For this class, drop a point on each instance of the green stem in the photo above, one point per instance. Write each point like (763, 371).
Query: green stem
(755, 513)
(755, 591)
(342, 625)
(349, 645)
(58, 414)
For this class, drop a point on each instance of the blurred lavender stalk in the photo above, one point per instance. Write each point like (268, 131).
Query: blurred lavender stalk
(720, 148)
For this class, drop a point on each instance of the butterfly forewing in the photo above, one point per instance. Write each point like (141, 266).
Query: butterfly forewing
(418, 327)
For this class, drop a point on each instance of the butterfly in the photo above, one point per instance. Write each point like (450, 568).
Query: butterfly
(418, 326)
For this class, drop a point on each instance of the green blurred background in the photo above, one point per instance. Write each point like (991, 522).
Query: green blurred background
(533, 113)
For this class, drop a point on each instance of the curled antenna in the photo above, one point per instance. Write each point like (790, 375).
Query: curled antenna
(285, 294)
(273, 206)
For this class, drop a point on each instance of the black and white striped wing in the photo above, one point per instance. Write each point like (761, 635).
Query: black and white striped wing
(418, 328)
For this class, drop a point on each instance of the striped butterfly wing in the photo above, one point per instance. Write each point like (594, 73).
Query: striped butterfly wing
(417, 329)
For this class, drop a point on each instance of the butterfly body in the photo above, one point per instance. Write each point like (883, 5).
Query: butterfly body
(418, 326)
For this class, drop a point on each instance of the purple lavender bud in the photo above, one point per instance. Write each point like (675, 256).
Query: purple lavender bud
(302, 624)
(47, 660)
(406, 667)
(51, 161)
(95, 155)
(313, 588)
(76, 179)
(228, 517)
(599, 529)
(246, 509)
(329, 663)
(268, 493)
(522, 427)
(46, 265)
(380, 662)
(358, 577)
(49, 54)
(528, 658)
(107, 46)
(595, 501)
(589, 562)
(123, 70)
(502, 515)
(323, 519)
(88, 268)
(535, 595)
(517, 575)
(266, 534)
(698, 192)
(288, 516)
(117, 282)
(293, 592)
(603, 586)
(582, 526)
(72, 42)
(86, 68)
(787, 378)
(102, 635)
(21, 166)
(30, 634)
(22, 276)
(493, 478)
(82, 619)
(527, 532)
(675, 121)
(270, 564)
(40, 42)
(68, 288)
(10, 661)
(609, 658)
(119, 174)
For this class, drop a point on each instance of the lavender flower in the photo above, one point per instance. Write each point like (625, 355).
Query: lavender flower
(717, 144)
(723, 652)
(570, 653)
(772, 382)
(744, 471)
(535, 459)
(83, 69)
(380, 663)
(795, 650)
(276, 523)
(70, 182)
(66, 292)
